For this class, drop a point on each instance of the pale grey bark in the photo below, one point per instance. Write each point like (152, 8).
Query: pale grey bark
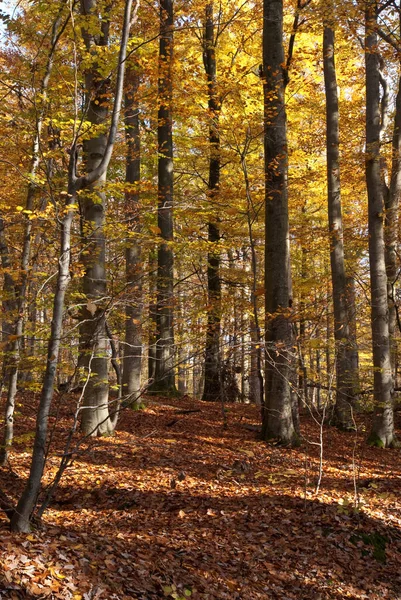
(255, 373)
(132, 361)
(391, 229)
(277, 411)
(94, 343)
(96, 156)
(382, 433)
(152, 279)
(164, 380)
(346, 377)
(21, 518)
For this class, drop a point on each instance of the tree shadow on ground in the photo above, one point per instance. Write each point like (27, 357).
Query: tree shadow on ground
(249, 545)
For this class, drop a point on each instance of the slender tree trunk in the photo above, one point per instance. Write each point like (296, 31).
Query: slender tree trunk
(19, 293)
(391, 227)
(22, 516)
(345, 376)
(303, 372)
(277, 414)
(152, 267)
(133, 264)
(255, 375)
(10, 308)
(164, 382)
(382, 433)
(353, 351)
(211, 390)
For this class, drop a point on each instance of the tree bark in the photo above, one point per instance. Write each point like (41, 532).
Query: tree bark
(255, 374)
(94, 341)
(212, 370)
(382, 433)
(164, 380)
(391, 228)
(152, 279)
(132, 361)
(346, 378)
(22, 516)
(277, 413)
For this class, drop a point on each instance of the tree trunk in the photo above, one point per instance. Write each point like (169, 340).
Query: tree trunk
(277, 414)
(152, 268)
(382, 433)
(211, 390)
(345, 376)
(94, 341)
(133, 264)
(164, 382)
(255, 374)
(20, 291)
(21, 518)
(391, 225)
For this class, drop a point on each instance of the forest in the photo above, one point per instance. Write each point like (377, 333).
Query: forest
(200, 261)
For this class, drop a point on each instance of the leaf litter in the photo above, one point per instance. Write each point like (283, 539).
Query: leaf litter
(175, 506)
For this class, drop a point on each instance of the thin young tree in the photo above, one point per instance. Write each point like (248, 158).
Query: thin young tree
(17, 291)
(21, 518)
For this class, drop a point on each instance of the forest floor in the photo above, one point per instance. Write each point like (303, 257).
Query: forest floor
(174, 506)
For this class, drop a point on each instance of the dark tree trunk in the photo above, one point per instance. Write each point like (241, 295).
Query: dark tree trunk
(164, 381)
(132, 361)
(382, 433)
(21, 518)
(212, 387)
(277, 414)
(346, 378)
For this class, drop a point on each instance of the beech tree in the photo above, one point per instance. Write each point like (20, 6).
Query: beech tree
(346, 376)
(383, 425)
(277, 410)
(164, 377)
(212, 387)
(21, 519)
(133, 266)
(127, 257)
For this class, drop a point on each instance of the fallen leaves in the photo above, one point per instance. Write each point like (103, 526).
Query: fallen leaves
(196, 511)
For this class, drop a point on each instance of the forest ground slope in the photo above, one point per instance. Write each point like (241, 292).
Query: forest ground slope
(176, 506)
